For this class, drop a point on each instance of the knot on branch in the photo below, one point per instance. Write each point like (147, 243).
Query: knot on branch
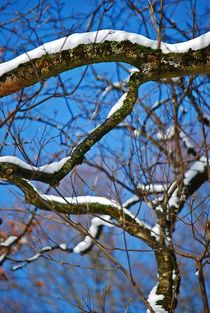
(8, 171)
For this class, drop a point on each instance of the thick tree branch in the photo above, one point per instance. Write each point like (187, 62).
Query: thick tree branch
(86, 205)
(190, 58)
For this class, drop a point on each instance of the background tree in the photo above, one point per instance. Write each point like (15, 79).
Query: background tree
(121, 145)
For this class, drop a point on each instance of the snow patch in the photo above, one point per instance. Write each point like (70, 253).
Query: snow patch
(47, 168)
(174, 275)
(130, 201)
(155, 232)
(80, 200)
(168, 136)
(10, 240)
(2, 257)
(96, 222)
(186, 141)
(153, 298)
(197, 167)
(117, 105)
(156, 188)
(63, 246)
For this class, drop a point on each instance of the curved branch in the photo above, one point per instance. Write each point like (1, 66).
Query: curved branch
(87, 205)
(50, 59)
(53, 173)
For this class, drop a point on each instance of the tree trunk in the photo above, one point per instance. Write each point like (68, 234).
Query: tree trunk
(168, 278)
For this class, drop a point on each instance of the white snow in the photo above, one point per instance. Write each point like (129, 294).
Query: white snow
(118, 84)
(2, 257)
(186, 140)
(63, 246)
(153, 298)
(155, 232)
(174, 200)
(159, 208)
(10, 240)
(137, 132)
(16, 267)
(130, 201)
(197, 167)
(96, 222)
(89, 200)
(174, 275)
(168, 136)
(117, 105)
(47, 168)
(46, 248)
(153, 188)
(81, 200)
(83, 245)
(35, 257)
(101, 36)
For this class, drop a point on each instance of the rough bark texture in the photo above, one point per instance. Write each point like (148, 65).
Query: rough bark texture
(168, 278)
(146, 59)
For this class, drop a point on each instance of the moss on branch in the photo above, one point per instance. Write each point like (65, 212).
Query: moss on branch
(146, 59)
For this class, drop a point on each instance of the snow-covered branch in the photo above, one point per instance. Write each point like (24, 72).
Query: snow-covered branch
(54, 172)
(179, 191)
(65, 53)
(74, 40)
(100, 207)
(10, 241)
(152, 188)
(50, 168)
(23, 262)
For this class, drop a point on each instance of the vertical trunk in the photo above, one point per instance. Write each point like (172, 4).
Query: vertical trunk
(168, 281)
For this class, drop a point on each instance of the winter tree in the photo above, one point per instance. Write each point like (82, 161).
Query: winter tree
(104, 130)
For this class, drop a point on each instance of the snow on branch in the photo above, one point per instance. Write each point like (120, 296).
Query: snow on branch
(93, 201)
(50, 168)
(153, 298)
(152, 188)
(187, 143)
(98, 37)
(9, 241)
(168, 135)
(96, 224)
(35, 257)
(193, 178)
(54, 172)
(172, 195)
(118, 105)
(102, 208)
(131, 201)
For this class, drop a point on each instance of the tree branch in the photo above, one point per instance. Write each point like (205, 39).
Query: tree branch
(55, 172)
(86, 205)
(50, 59)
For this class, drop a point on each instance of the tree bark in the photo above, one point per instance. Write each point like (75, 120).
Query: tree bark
(146, 59)
(168, 278)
